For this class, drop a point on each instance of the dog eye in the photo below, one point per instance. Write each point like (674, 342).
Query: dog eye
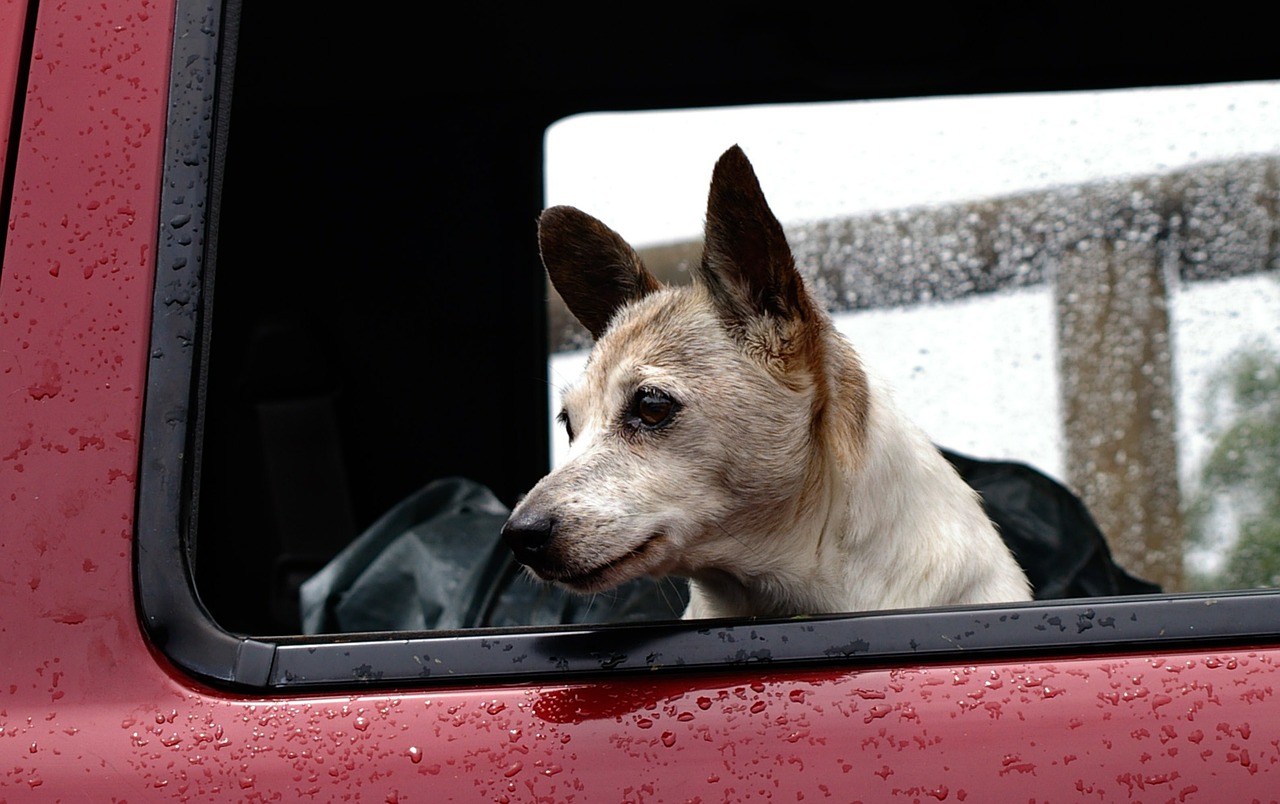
(652, 408)
(563, 419)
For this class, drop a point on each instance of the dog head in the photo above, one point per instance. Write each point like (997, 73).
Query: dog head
(695, 432)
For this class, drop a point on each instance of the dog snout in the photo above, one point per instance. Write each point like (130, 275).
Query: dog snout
(527, 533)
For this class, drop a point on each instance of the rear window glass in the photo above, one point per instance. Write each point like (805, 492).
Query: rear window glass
(1085, 282)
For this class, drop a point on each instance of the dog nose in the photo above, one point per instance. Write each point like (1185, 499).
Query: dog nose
(527, 532)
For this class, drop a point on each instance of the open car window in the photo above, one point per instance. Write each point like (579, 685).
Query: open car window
(326, 346)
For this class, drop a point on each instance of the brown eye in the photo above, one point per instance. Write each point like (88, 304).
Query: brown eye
(652, 408)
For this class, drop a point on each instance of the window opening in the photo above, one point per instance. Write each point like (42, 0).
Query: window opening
(323, 328)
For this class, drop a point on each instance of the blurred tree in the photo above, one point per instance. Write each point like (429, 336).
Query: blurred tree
(1237, 506)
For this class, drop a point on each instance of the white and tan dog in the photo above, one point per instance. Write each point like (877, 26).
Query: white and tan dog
(725, 432)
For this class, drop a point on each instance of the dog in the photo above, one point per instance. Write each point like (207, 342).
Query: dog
(726, 433)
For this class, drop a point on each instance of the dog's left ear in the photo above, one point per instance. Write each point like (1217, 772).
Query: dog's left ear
(595, 271)
(746, 262)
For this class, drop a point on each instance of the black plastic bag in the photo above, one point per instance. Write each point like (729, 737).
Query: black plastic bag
(1049, 530)
(437, 561)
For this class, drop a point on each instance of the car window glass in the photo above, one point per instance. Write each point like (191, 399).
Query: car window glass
(1085, 282)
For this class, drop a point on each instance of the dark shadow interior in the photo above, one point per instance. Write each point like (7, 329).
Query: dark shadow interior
(379, 317)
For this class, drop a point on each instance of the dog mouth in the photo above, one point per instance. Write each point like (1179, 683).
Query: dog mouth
(612, 572)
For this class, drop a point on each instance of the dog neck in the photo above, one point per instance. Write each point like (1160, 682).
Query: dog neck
(914, 534)
(885, 522)
(798, 552)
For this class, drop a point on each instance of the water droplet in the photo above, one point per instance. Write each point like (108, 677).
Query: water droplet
(361, 723)
(668, 739)
(878, 711)
(415, 754)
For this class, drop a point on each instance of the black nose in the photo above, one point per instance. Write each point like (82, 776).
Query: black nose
(527, 533)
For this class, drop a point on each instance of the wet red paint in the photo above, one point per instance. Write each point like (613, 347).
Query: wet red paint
(12, 20)
(86, 704)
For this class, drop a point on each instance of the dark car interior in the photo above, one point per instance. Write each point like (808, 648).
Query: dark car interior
(379, 317)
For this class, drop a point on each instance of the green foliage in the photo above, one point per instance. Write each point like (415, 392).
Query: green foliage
(1238, 503)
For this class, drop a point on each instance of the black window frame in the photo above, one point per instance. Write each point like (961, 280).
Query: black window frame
(168, 483)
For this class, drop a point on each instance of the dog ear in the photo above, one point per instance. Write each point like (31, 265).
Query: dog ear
(746, 262)
(592, 267)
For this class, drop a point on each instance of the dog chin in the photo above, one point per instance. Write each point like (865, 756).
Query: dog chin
(643, 560)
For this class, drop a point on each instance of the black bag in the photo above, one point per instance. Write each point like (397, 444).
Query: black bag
(437, 561)
(1051, 533)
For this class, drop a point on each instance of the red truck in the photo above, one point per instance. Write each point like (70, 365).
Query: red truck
(146, 647)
